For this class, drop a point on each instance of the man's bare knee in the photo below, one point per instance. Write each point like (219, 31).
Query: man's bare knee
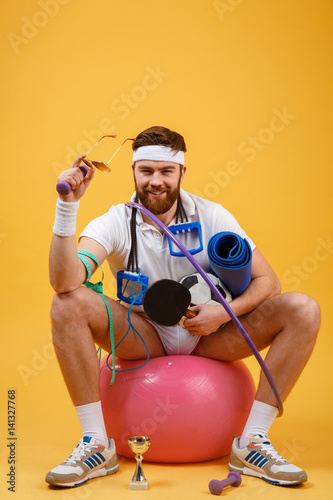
(81, 313)
(311, 312)
(304, 312)
(68, 310)
(64, 307)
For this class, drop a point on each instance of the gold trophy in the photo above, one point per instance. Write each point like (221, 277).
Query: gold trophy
(139, 444)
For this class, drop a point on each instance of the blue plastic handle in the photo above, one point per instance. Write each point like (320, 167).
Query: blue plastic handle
(188, 227)
(141, 279)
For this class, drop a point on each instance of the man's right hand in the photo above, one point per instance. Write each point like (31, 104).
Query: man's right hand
(76, 180)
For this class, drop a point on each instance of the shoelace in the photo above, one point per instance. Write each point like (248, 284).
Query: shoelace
(267, 448)
(79, 451)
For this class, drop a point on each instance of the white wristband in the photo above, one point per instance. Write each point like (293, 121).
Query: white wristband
(65, 218)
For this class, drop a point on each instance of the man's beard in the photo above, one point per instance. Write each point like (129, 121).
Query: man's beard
(154, 205)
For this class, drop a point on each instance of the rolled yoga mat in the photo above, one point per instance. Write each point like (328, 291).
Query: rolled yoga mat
(230, 258)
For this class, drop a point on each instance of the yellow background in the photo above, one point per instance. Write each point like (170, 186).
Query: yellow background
(219, 72)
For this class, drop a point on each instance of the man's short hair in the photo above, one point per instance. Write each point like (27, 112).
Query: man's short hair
(160, 136)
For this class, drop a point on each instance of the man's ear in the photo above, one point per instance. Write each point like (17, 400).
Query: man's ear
(183, 173)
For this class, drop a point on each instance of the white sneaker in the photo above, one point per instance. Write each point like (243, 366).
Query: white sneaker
(88, 460)
(260, 459)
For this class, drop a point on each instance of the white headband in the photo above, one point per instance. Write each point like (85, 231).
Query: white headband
(158, 153)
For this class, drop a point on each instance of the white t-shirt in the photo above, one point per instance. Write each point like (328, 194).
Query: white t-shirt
(112, 231)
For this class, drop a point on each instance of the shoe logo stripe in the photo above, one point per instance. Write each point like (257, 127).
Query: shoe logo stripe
(254, 455)
(95, 460)
(254, 458)
(91, 466)
(100, 456)
(250, 455)
(257, 462)
(263, 462)
(92, 462)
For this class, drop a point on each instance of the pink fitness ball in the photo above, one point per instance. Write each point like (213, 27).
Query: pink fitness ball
(190, 407)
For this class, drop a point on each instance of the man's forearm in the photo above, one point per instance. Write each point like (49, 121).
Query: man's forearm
(264, 284)
(260, 289)
(66, 274)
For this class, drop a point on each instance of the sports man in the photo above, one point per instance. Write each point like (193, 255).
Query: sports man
(80, 319)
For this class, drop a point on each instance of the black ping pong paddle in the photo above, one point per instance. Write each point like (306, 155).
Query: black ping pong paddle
(167, 301)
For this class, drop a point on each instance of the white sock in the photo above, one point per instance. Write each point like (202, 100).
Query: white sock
(259, 421)
(92, 422)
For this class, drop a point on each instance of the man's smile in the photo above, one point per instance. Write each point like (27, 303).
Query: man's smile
(156, 194)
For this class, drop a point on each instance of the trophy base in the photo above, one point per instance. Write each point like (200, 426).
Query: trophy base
(138, 485)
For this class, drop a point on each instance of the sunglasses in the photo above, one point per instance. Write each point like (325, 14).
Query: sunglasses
(100, 165)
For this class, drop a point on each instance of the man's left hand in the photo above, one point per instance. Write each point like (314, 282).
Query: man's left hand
(209, 319)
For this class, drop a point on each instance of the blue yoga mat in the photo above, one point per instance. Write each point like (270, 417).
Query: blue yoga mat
(230, 258)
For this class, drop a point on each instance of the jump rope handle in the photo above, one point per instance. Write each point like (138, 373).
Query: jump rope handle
(64, 187)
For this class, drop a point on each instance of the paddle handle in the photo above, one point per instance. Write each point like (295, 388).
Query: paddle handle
(190, 314)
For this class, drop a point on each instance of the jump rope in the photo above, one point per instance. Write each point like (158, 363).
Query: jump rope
(133, 298)
(136, 297)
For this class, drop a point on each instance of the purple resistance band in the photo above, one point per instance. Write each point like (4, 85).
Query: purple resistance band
(220, 298)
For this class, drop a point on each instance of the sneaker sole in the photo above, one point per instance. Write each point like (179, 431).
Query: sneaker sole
(93, 474)
(276, 482)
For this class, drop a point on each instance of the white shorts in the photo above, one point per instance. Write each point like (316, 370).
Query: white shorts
(175, 339)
